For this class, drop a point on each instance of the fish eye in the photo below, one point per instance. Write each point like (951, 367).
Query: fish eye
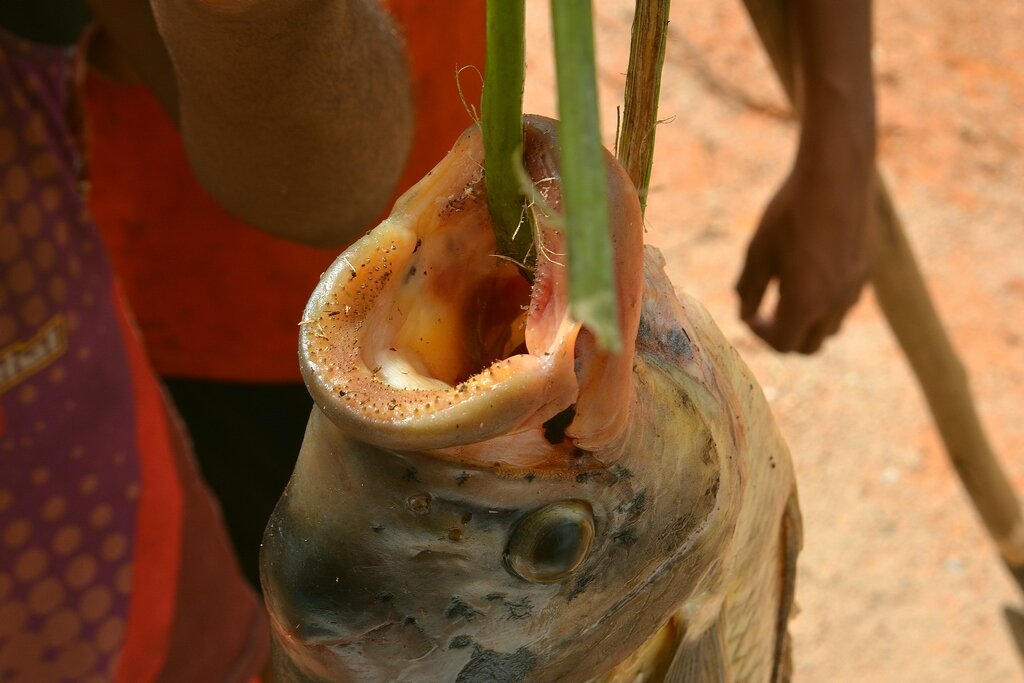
(550, 543)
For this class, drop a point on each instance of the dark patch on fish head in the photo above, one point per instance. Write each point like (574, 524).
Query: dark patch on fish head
(677, 341)
(645, 337)
(665, 339)
(626, 537)
(580, 583)
(460, 641)
(459, 609)
(519, 609)
(488, 666)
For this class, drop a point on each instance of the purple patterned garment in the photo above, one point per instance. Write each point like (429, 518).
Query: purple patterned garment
(69, 475)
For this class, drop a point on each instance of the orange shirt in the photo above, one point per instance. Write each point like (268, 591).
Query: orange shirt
(214, 297)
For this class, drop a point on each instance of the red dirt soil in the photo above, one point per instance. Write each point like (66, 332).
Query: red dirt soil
(898, 581)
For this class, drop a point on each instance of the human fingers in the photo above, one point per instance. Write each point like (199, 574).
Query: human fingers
(784, 334)
(794, 317)
(753, 281)
(817, 335)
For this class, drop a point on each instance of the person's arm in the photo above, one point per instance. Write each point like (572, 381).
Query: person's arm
(296, 114)
(130, 24)
(815, 236)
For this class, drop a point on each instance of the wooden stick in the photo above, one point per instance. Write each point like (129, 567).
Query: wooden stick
(903, 298)
(635, 145)
(902, 295)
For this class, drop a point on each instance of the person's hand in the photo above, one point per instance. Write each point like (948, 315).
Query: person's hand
(296, 115)
(816, 240)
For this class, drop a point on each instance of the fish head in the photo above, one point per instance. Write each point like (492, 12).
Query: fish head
(481, 487)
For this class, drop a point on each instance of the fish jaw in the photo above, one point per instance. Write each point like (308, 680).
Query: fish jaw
(419, 337)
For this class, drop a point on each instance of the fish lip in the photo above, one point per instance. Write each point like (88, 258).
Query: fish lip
(507, 396)
(513, 395)
(343, 320)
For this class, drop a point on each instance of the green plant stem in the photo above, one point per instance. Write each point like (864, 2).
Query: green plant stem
(643, 87)
(502, 120)
(584, 192)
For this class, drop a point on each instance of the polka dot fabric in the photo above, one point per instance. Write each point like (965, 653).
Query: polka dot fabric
(114, 564)
(69, 485)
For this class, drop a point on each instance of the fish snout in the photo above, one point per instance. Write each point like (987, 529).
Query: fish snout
(312, 592)
(324, 607)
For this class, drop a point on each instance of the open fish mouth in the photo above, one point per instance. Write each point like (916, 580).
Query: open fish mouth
(420, 337)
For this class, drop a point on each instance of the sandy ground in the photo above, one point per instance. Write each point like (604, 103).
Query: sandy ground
(898, 581)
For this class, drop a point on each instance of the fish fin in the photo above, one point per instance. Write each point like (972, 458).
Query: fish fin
(702, 660)
(791, 542)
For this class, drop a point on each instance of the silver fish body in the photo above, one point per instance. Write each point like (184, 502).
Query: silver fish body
(483, 494)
